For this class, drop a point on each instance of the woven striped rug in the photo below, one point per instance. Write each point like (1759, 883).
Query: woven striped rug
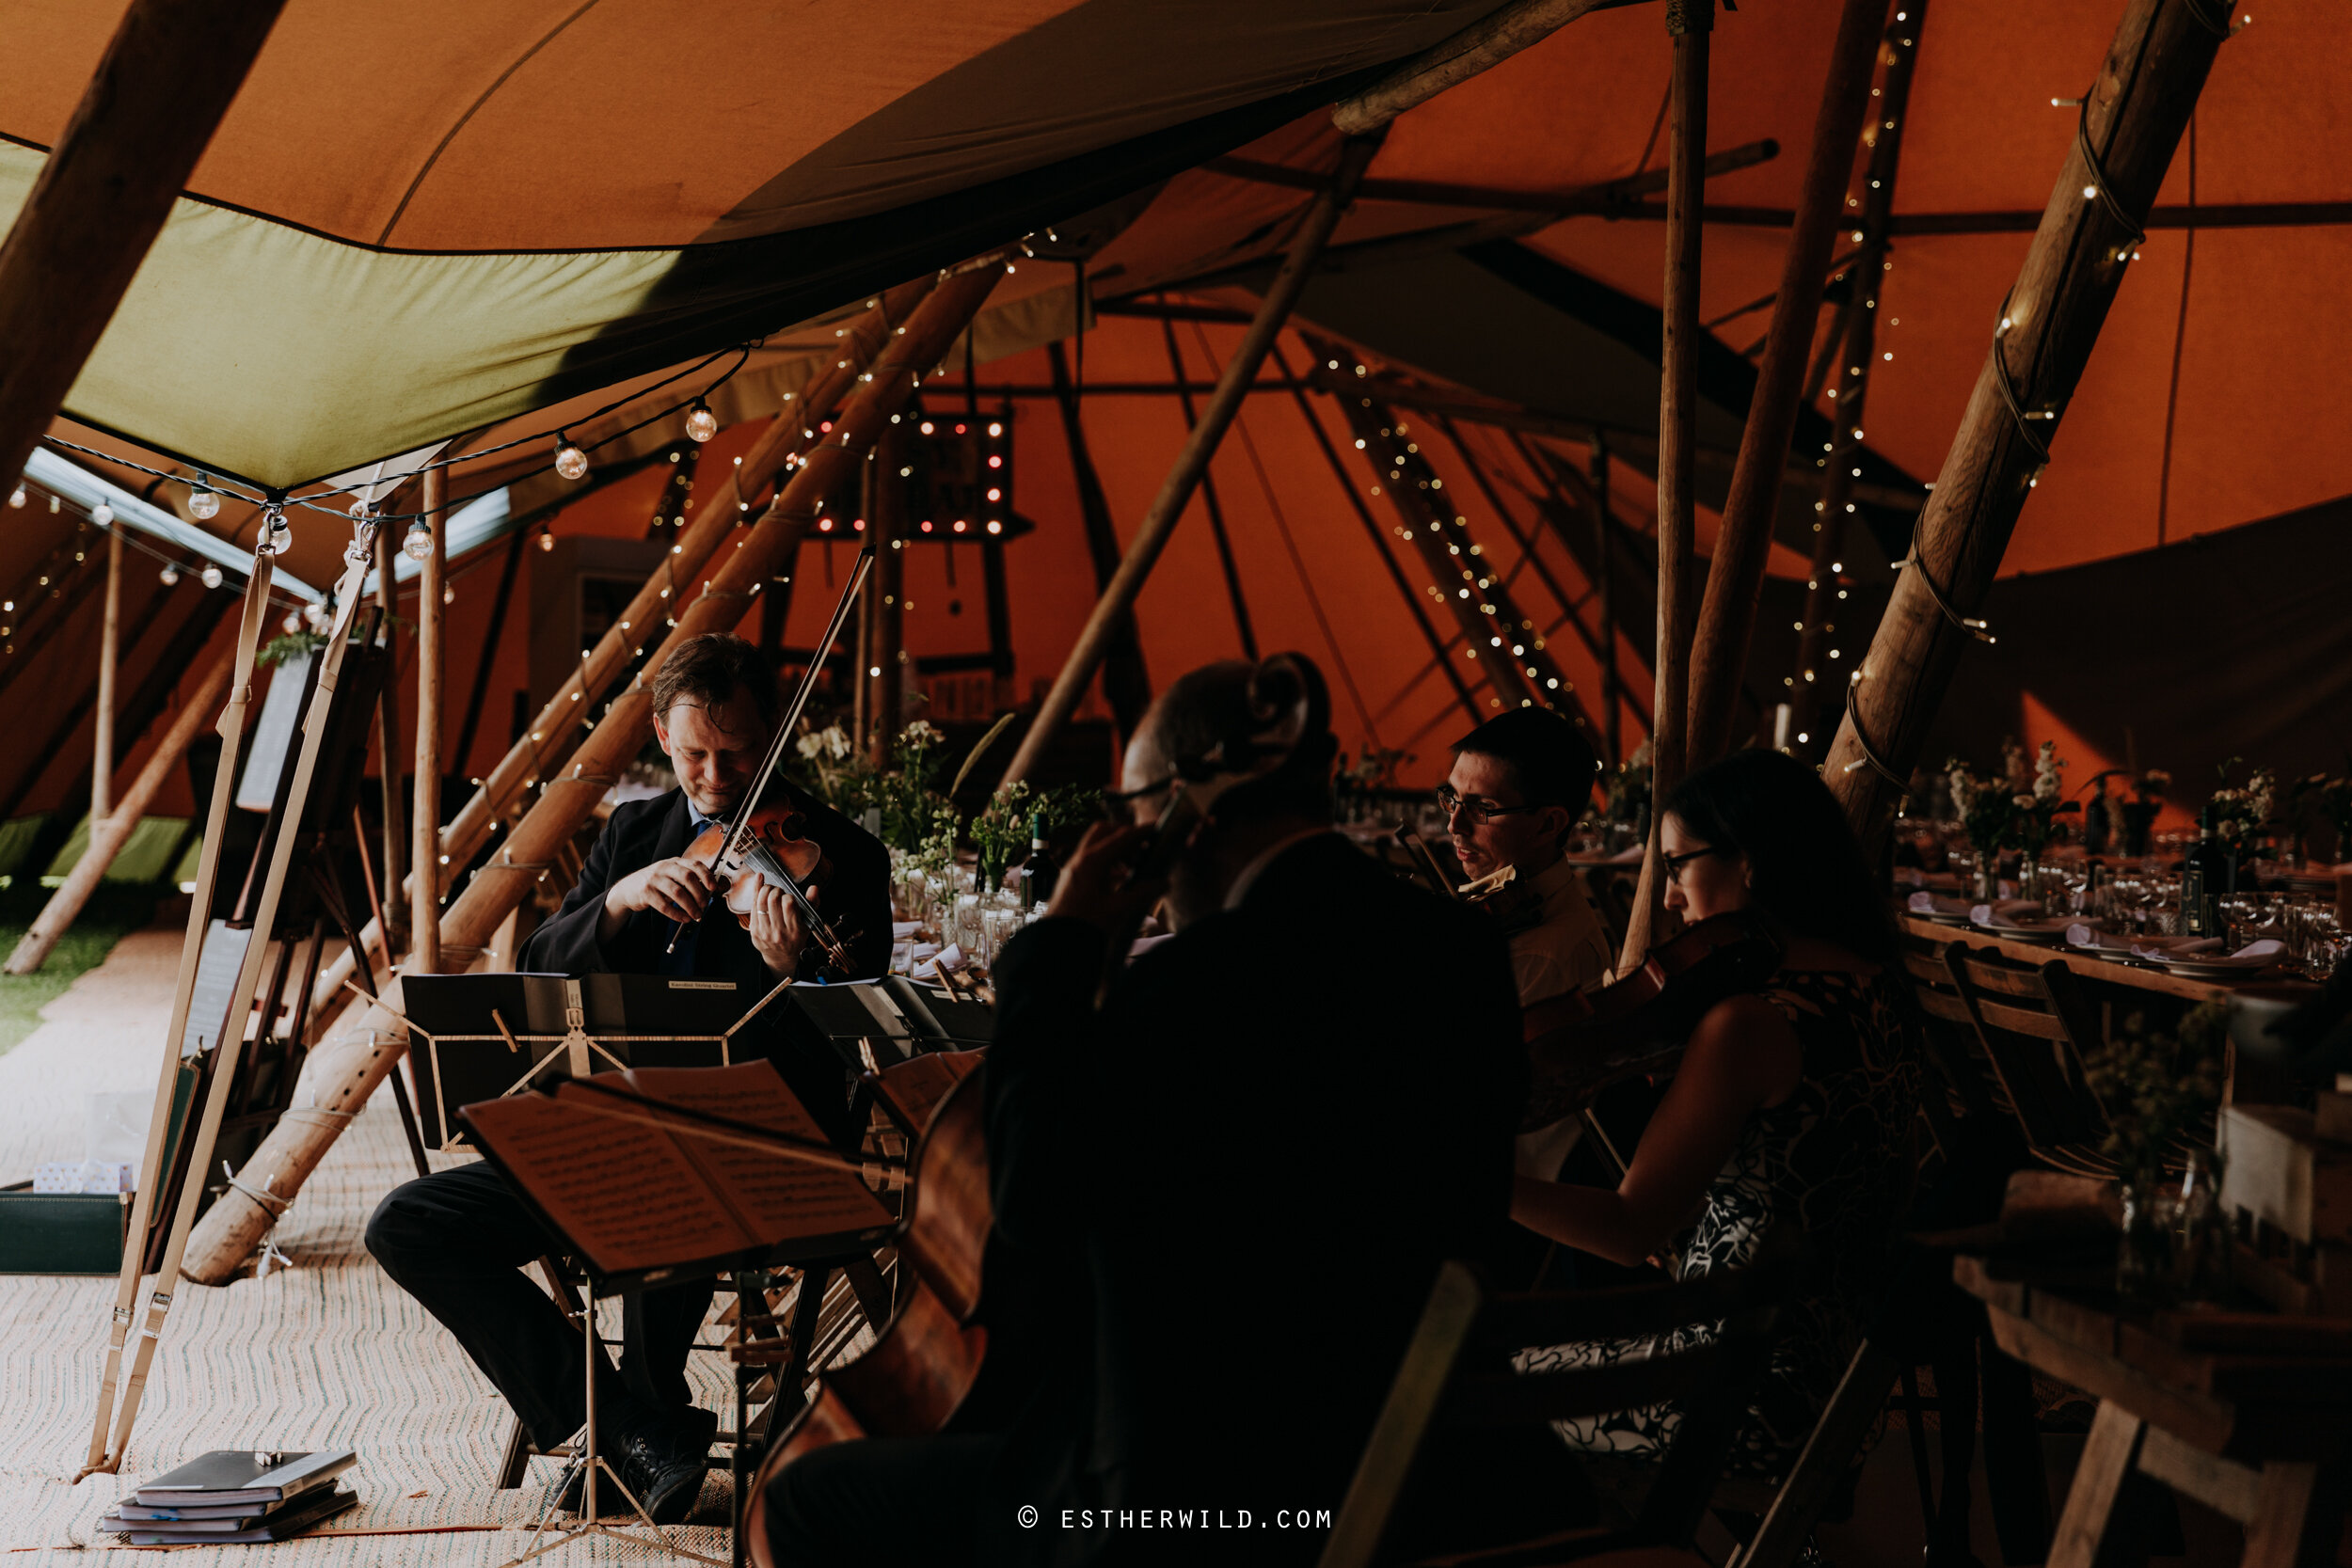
(326, 1354)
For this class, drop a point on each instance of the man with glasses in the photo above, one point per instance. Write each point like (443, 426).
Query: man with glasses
(1518, 785)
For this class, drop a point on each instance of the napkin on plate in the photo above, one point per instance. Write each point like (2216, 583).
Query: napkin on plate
(1936, 903)
(1994, 916)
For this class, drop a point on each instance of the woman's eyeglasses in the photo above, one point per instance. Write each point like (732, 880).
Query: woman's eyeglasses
(1675, 863)
(1450, 801)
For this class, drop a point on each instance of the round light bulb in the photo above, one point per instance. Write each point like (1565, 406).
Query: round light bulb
(419, 545)
(211, 575)
(449, 594)
(171, 575)
(314, 616)
(570, 461)
(280, 533)
(16, 497)
(203, 504)
(700, 424)
(547, 541)
(292, 623)
(101, 515)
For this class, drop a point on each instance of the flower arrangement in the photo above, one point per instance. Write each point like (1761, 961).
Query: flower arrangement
(2016, 810)
(2044, 802)
(2240, 812)
(2158, 1088)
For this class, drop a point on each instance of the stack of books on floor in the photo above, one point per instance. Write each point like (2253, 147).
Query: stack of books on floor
(232, 1495)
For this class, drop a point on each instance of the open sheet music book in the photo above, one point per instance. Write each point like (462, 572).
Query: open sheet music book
(647, 1200)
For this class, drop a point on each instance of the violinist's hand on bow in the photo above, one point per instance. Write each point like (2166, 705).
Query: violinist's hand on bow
(676, 889)
(778, 931)
(1089, 889)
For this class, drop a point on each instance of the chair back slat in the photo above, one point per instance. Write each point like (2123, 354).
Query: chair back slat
(2020, 1020)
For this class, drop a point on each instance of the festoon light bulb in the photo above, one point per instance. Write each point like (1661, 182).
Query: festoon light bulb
(203, 502)
(292, 623)
(280, 533)
(171, 575)
(16, 497)
(700, 424)
(101, 515)
(570, 461)
(547, 541)
(418, 546)
(209, 576)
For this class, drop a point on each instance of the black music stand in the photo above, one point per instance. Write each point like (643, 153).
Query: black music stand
(756, 1185)
(487, 1036)
(876, 1024)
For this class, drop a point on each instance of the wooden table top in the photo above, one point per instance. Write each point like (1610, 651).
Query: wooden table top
(2099, 970)
(2250, 1386)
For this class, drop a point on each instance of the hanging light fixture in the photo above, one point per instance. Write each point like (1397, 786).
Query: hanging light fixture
(171, 575)
(418, 546)
(209, 576)
(101, 515)
(570, 461)
(280, 532)
(700, 424)
(203, 501)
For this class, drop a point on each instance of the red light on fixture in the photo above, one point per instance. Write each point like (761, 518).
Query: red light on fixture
(995, 526)
(995, 462)
(958, 429)
(959, 525)
(824, 524)
(927, 525)
(859, 525)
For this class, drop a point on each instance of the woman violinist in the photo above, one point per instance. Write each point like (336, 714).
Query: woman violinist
(1792, 1106)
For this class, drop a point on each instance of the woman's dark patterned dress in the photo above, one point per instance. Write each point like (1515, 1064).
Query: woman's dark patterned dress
(1835, 1160)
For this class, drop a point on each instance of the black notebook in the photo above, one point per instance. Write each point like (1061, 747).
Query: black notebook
(280, 1522)
(244, 1475)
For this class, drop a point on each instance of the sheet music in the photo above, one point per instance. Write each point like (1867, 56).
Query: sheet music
(213, 1008)
(626, 1194)
(782, 1199)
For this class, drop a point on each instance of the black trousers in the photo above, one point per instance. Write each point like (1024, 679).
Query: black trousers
(913, 1502)
(458, 1240)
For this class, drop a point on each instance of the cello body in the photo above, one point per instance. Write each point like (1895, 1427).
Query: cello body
(913, 1379)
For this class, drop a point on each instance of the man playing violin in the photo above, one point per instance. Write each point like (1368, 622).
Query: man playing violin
(458, 1240)
(1228, 1189)
(1518, 785)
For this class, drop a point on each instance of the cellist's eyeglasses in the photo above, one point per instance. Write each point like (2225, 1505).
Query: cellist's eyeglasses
(1449, 800)
(1674, 864)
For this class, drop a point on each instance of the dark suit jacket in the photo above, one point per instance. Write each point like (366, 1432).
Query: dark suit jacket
(1246, 1169)
(857, 900)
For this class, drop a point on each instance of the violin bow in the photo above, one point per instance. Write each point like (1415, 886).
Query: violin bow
(740, 829)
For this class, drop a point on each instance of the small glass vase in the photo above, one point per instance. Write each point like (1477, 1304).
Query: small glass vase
(2175, 1245)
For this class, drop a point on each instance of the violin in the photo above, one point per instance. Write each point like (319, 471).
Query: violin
(923, 1365)
(764, 845)
(1580, 1043)
(1513, 901)
(773, 850)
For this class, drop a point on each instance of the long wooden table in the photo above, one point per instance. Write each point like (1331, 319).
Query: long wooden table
(2260, 1432)
(2098, 970)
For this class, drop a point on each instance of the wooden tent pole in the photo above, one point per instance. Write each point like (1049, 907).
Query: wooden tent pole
(1438, 648)
(1486, 43)
(2131, 122)
(364, 1040)
(1689, 23)
(1208, 499)
(387, 743)
(793, 434)
(102, 784)
(1604, 553)
(1735, 575)
(1118, 601)
(109, 833)
(167, 76)
(1126, 681)
(424, 815)
(41, 753)
(1857, 343)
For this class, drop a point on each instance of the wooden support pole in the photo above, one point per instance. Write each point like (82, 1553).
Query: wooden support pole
(1152, 535)
(1857, 345)
(1689, 23)
(1604, 555)
(1438, 647)
(2132, 122)
(1208, 498)
(1735, 574)
(109, 833)
(167, 76)
(1486, 43)
(387, 750)
(792, 435)
(102, 783)
(1126, 682)
(364, 1042)
(424, 817)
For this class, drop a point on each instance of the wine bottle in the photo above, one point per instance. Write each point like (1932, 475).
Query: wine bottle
(2203, 876)
(1039, 871)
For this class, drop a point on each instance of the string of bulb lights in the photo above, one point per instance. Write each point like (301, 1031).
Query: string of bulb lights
(569, 461)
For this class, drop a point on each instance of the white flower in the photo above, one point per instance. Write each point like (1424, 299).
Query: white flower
(920, 733)
(2047, 769)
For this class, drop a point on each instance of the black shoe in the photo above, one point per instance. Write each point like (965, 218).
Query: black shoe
(662, 1469)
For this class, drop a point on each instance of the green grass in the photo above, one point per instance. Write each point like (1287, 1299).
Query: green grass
(116, 908)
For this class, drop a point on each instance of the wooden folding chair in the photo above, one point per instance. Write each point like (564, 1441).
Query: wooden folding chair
(2034, 1026)
(1457, 1377)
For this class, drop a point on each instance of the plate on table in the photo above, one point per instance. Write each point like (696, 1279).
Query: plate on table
(2042, 934)
(2206, 967)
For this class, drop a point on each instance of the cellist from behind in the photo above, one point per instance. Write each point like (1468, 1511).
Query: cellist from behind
(1233, 1182)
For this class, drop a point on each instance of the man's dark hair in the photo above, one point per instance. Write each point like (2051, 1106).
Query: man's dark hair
(1213, 706)
(709, 671)
(1550, 763)
(1808, 870)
